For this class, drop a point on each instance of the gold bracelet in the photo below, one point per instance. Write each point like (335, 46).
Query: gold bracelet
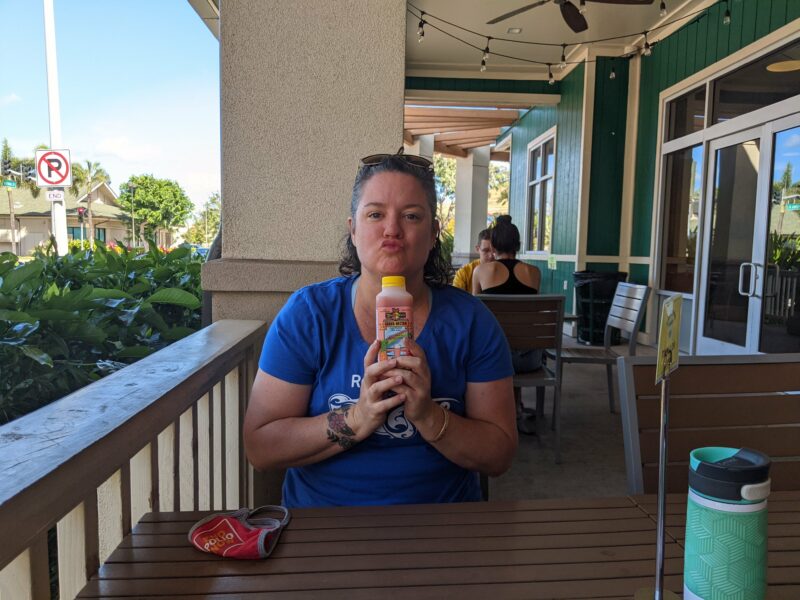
(444, 425)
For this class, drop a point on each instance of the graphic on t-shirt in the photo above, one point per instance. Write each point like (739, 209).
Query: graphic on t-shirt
(396, 426)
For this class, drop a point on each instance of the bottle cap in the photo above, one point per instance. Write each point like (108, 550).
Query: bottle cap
(394, 281)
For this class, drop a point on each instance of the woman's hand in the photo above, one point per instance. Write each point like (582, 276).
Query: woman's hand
(415, 389)
(370, 411)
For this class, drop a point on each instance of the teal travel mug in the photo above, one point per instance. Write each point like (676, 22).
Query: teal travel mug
(726, 525)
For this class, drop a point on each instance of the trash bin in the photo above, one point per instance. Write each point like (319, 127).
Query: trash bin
(594, 291)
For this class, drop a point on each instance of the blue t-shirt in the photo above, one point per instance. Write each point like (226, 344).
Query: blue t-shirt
(315, 341)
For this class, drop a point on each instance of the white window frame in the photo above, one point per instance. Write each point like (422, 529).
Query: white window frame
(539, 142)
(758, 49)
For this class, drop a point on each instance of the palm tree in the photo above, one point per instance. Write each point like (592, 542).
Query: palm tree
(87, 178)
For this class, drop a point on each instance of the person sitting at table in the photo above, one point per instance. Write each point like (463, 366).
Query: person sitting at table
(506, 274)
(463, 278)
(321, 404)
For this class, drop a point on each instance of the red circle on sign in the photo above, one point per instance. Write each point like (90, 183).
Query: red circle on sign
(43, 159)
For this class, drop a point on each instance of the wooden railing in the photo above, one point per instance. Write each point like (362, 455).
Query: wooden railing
(161, 434)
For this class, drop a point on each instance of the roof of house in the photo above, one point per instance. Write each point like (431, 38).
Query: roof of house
(25, 205)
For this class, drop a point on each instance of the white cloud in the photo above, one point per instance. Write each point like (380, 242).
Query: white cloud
(792, 141)
(791, 154)
(8, 99)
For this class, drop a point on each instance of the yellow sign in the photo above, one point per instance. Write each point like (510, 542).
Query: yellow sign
(668, 336)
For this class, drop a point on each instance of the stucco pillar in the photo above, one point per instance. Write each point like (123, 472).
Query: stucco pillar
(422, 146)
(307, 88)
(472, 202)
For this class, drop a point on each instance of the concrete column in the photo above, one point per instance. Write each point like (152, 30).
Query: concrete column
(422, 146)
(472, 202)
(307, 88)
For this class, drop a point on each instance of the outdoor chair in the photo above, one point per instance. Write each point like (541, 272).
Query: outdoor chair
(534, 322)
(627, 311)
(743, 401)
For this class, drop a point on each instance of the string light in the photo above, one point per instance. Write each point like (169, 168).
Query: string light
(662, 9)
(648, 49)
(726, 18)
(550, 79)
(486, 50)
(582, 8)
(483, 65)
(563, 64)
(421, 28)
(613, 74)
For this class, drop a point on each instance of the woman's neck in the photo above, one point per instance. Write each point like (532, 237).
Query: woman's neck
(369, 286)
(505, 255)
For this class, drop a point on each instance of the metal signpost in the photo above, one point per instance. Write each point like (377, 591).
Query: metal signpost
(668, 338)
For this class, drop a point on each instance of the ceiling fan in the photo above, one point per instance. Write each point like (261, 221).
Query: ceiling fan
(570, 13)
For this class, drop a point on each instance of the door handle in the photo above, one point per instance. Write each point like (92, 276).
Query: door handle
(751, 289)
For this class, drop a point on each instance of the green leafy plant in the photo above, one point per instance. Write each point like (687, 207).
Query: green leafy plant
(68, 321)
(784, 250)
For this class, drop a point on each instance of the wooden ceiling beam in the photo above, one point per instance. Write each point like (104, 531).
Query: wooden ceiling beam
(413, 119)
(461, 112)
(445, 149)
(456, 136)
(477, 144)
(450, 127)
(502, 156)
(407, 137)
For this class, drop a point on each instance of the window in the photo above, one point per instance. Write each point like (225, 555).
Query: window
(771, 79)
(100, 234)
(686, 114)
(74, 233)
(683, 187)
(541, 181)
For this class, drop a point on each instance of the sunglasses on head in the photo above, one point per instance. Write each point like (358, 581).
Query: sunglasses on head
(412, 159)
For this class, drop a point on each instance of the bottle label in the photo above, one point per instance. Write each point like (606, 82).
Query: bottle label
(394, 330)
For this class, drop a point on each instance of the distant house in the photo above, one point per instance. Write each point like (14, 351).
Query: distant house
(111, 223)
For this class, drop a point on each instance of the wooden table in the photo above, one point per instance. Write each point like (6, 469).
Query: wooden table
(570, 549)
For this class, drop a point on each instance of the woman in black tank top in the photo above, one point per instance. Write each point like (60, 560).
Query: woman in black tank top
(506, 275)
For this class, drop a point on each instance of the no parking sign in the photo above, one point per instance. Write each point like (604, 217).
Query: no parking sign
(53, 168)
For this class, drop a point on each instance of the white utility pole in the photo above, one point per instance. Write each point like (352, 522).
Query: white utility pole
(58, 209)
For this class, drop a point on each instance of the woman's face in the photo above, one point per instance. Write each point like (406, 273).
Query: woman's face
(393, 229)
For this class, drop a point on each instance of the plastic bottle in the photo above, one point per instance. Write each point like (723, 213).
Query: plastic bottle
(394, 321)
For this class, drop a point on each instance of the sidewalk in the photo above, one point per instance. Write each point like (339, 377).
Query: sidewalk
(591, 442)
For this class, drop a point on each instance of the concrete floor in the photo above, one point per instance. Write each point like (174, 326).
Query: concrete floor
(593, 458)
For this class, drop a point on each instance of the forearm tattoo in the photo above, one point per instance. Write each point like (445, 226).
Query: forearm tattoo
(339, 431)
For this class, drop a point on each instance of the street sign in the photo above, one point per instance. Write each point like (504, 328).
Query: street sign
(9, 183)
(55, 195)
(793, 207)
(53, 168)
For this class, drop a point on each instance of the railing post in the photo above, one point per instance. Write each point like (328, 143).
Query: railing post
(231, 427)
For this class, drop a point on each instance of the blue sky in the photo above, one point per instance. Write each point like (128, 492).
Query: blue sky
(139, 86)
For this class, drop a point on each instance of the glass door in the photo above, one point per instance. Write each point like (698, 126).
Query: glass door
(779, 329)
(730, 294)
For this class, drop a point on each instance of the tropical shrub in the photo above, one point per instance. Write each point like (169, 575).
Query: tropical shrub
(68, 321)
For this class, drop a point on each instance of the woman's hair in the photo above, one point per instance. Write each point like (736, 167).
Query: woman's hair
(505, 235)
(436, 269)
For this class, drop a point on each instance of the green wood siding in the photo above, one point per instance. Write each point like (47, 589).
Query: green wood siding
(454, 84)
(695, 46)
(602, 267)
(553, 280)
(608, 153)
(567, 117)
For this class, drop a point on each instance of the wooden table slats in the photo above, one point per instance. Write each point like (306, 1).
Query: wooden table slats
(561, 549)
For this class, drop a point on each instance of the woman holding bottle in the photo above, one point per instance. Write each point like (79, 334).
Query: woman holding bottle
(416, 427)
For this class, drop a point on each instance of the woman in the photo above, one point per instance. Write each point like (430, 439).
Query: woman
(506, 275)
(321, 404)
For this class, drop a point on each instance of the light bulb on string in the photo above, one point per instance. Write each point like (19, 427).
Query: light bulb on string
(582, 8)
(550, 79)
(486, 50)
(483, 65)
(662, 9)
(421, 29)
(613, 74)
(648, 49)
(726, 18)
(563, 64)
